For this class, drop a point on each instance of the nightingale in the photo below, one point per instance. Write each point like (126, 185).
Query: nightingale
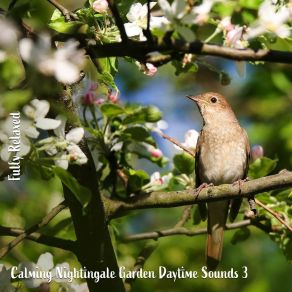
(222, 156)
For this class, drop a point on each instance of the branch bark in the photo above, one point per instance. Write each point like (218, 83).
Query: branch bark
(182, 231)
(94, 248)
(67, 13)
(161, 199)
(40, 238)
(52, 214)
(139, 50)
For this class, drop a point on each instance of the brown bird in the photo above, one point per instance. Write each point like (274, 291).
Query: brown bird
(222, 156)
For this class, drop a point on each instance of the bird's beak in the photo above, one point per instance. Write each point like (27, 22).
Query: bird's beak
(194, 98)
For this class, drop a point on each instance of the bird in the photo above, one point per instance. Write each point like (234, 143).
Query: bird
(222, 156)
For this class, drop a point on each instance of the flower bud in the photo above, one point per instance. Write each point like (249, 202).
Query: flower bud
(100, 6)
(257, 151)
(153, 114)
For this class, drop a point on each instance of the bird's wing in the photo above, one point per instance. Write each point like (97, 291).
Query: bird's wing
(201, 206)
(236, 203)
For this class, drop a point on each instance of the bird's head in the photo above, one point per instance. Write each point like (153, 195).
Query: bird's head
(213, 107)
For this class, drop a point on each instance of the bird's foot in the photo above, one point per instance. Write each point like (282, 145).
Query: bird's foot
(240, 182)
(202, 186)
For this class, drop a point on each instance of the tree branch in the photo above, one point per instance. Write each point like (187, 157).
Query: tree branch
(118, 20)
(139, 50)
(67, 13)
(40, 238)
(52, 214)
(164, 199)
(94, 248)
(182, 231)
(275, 214)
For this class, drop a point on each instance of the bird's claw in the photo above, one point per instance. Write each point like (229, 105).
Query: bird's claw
(201, 187)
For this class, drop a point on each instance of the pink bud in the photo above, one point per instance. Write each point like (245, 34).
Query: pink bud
(150, 69)
(257, 151)
(100, 6)
(156, 153)
(88, 98)
(113, 96)
(226, 24)
(99, 101)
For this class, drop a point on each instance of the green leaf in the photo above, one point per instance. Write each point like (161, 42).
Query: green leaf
(136, 179)
(261, 167)
(111, 110)
(81, 193)
(12, 100)
(137, 133)
(107, 79)
(71, 27)
(150, 114)
(180, 67)
(184, 163)
(11, 71)
(240, 235)
(108, 65)
(266, 198)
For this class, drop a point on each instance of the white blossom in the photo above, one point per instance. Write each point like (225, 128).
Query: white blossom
(64, 63)
(202, 11)
(35, 113)
(177, 15)
(9, 34)
(271, 18)
(44, 264)
(157, 182)
(191, 138)
(137, 17)
(64, 147)
(158, 126)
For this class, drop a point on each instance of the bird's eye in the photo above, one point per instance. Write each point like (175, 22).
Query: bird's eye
(213, 99)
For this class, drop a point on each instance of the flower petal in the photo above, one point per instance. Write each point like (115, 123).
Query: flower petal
(60, 131)
(75, 135)
(31, 132)
(132, 29)
(62, 161)
(135, 9)
(47, 124)
(66, 72)
(42, 107)
(45, 261)
(25, 49)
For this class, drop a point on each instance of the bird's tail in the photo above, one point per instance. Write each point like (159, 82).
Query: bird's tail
(217, 216)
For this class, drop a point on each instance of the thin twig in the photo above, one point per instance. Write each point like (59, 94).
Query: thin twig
(67, 13)
(275, 214)
(40, 238)
(118, 20)
(145, 253)
(182, 231)
(184, 217)
(175, 142)
(147, 32)
(52, 214)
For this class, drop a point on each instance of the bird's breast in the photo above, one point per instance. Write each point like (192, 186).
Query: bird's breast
(222, 156)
